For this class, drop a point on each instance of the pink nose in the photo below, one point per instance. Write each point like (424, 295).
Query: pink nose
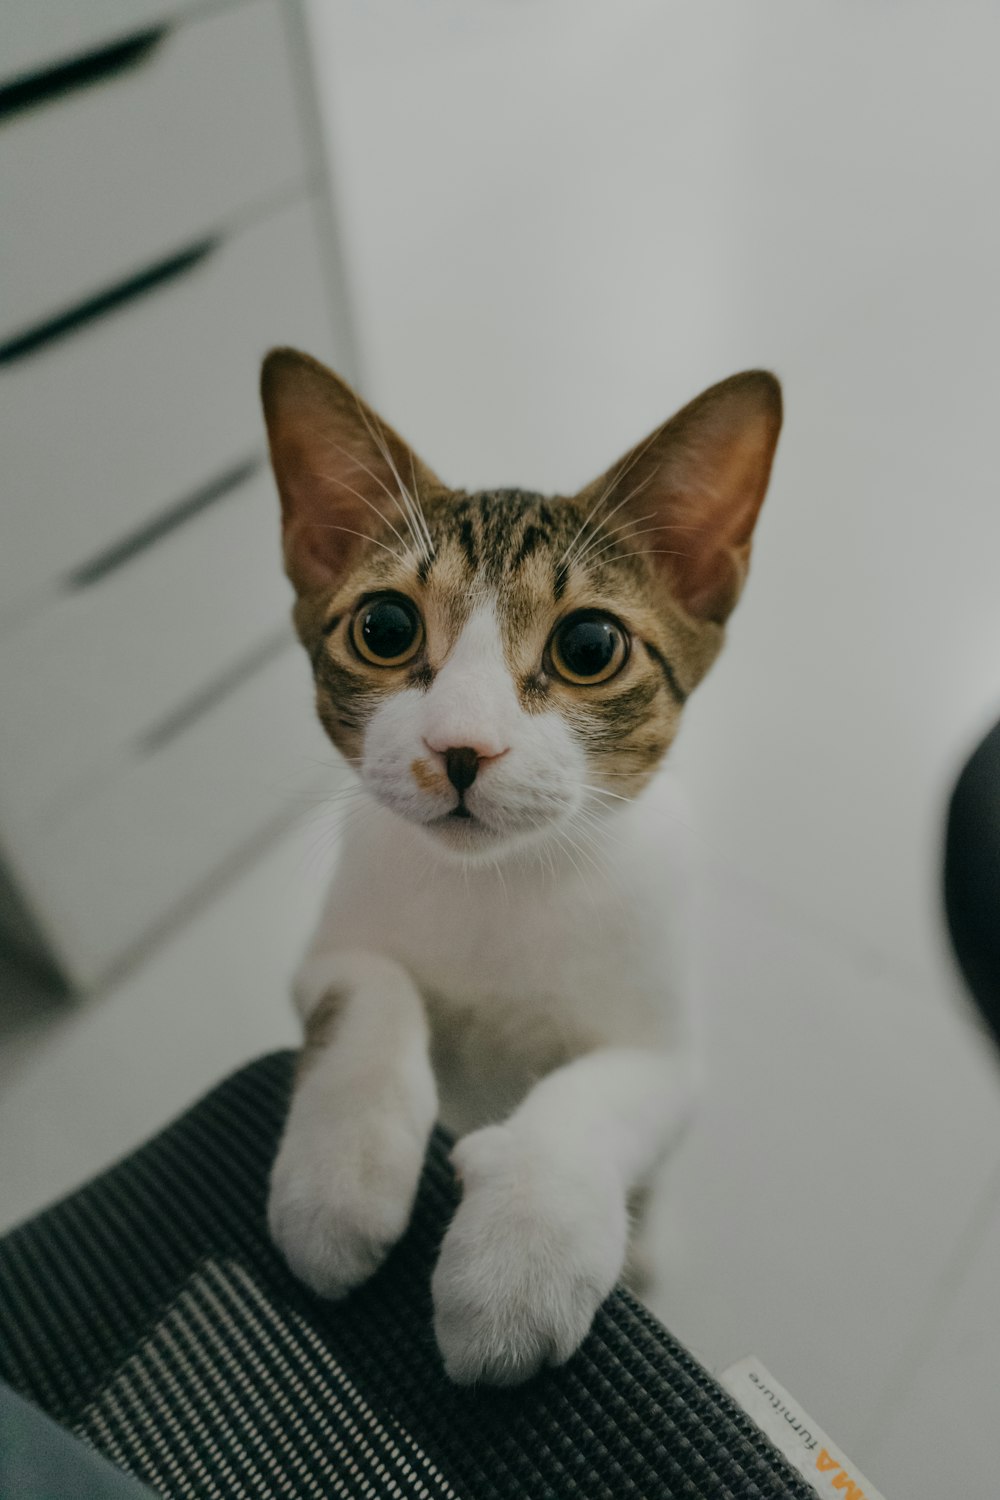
(462, 762)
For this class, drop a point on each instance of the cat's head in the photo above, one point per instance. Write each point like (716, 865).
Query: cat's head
(492, 663)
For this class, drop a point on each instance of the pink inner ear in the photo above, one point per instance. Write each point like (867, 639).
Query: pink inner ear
(712, 588)
(336, 467)
(329, 458)
(323, 523)
(308, 557)
(704, 475)
(710, 578)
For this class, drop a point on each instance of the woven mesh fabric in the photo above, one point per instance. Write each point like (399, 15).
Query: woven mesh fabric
(149, 1313)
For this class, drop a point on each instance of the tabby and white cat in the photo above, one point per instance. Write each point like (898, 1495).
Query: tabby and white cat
(504, 672)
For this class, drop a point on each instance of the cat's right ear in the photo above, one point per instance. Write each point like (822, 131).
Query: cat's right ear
(342, 473)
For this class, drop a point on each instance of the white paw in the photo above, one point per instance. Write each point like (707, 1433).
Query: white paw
(532, 1253)
(342, 1191)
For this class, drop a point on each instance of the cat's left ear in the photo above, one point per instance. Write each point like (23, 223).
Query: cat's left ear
(689, 496)
(344, 476)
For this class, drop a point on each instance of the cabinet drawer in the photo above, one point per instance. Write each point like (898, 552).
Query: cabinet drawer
(105, 180)
(115, 868)
(84, 679)
(103, 432)
(37, 34)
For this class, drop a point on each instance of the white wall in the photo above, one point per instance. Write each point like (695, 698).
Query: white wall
(565, 217)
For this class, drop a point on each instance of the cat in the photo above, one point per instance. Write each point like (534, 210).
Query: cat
(504, 673)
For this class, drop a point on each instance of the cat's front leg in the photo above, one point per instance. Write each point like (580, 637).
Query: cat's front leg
(363, 1105)
(540, 1237)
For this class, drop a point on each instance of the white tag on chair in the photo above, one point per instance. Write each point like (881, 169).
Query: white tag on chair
(794, 1433)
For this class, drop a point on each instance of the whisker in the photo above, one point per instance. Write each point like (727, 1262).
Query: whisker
(633, 528)
(567, 846)
(652, 552)
(344, 794)
(353, 813)
(671, 815)
(316, 800)
(322, 844)
(329, 526)
(379, 438)
(609, 489)
(416, 501)
(334, 479)
(612, 772)
(360, 464)
(603, 791)
(403, 498)
(346, 822)
(503, 884)
(602, 497)
(611, 543)
(583, 852)
(615, 509)
(615, 892)
(544, 845)
(603, 831)
(551, 859)
(410, 495)
(587, 835)
(600, 824)
(601, 531)
(339, 800)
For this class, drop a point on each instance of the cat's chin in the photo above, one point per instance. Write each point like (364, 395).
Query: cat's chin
(467, 838)
(472, 841)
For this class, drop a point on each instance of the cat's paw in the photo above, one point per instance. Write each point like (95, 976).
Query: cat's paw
(341, 1195)
(531, 1254)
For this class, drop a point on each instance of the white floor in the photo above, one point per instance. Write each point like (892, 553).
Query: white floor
(562, 220)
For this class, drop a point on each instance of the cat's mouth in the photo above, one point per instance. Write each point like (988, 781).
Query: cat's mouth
(463, 829)
(477, 823)
(458, 814)
(471, 834)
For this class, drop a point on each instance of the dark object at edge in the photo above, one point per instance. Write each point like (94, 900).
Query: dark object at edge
(972, 876)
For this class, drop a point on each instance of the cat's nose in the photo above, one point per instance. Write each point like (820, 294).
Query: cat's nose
(462, 762)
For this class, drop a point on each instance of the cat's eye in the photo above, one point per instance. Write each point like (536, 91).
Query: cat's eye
(387, 630)
(588, 647)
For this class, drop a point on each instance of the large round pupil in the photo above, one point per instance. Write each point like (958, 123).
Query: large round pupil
(388, 629)
(588, 646)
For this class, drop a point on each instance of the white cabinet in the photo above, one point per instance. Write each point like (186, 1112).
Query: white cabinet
(192, 129)
(107, 430)
(166, 221)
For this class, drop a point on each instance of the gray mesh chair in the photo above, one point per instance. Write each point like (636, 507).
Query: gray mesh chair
(149, 1315)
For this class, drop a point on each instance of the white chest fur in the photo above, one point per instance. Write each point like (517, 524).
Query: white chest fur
(527, 963)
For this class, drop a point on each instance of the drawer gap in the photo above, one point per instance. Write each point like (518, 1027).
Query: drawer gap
(65, 323)
(207, 697)
(138, 541)
(35, 89)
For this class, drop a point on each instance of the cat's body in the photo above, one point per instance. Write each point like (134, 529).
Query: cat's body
(502, 943)
(528, 963)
